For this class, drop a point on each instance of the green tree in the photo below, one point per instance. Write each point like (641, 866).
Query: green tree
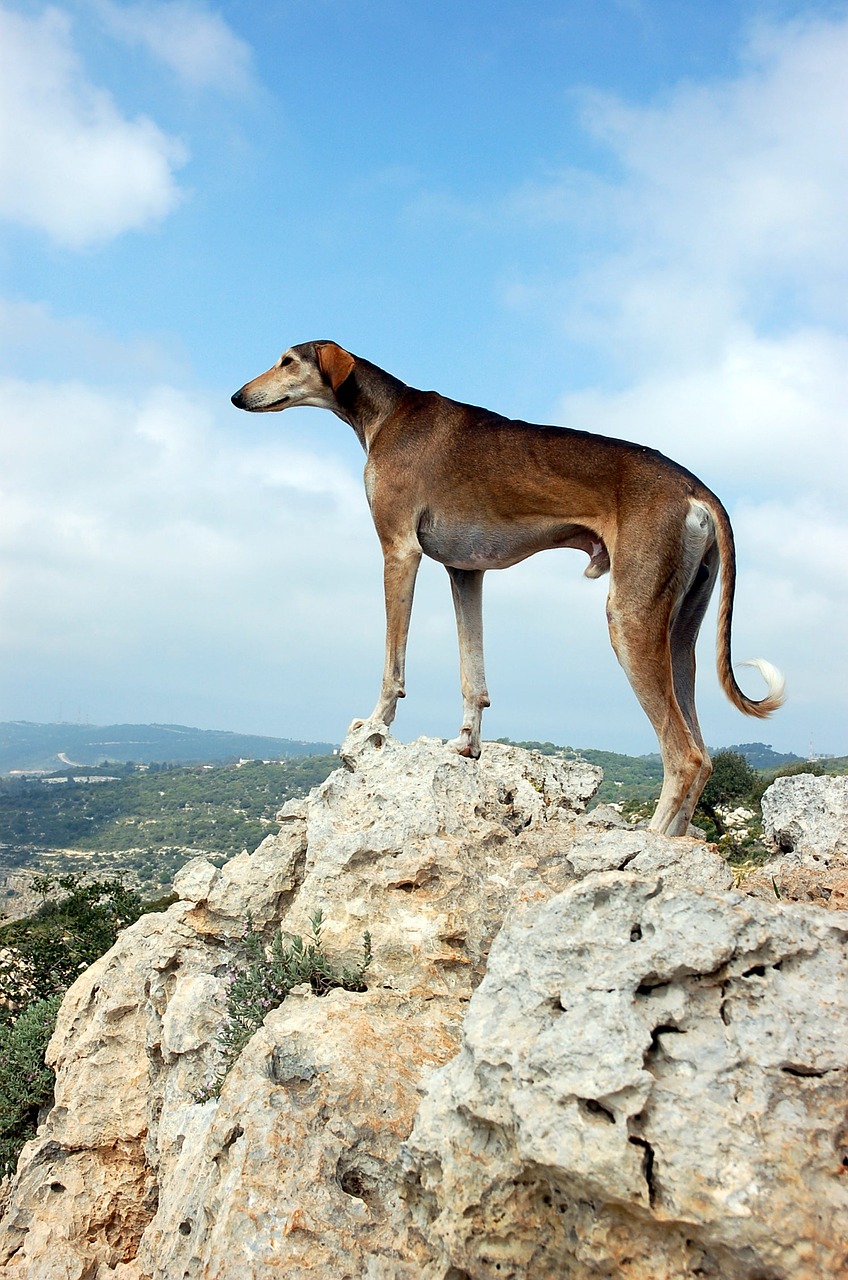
(732, 780)
(48, 950)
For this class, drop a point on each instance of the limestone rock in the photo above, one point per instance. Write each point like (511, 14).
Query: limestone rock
(807, 817)
(681, 861)
(652, 1083)
(421, 847)
(425, 849)
(821, 885)
(292, 1169)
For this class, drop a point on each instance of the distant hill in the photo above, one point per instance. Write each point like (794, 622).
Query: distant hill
(24, 745)
(761, 756)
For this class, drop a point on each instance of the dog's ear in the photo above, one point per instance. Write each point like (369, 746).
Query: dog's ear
(335, 363)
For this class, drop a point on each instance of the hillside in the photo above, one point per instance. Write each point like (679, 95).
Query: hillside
(144, 821)
(142, 824)
(761, 756)
(26, 746)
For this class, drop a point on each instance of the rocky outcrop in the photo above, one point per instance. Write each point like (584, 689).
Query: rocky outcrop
(807, 816)
(609, 1084)
(652, 1084)
(17, 896)
(805, 820)
(131, 1176)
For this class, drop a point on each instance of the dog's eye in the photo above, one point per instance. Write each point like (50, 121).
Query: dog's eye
(286, 360)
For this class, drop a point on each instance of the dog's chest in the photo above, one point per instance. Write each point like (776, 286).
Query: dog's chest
(468, 544)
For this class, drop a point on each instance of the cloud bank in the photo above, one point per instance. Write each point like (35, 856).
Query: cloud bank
(71, 164)
(709, 289)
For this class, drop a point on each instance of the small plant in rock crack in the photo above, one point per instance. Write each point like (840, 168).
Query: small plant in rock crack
(266, 978)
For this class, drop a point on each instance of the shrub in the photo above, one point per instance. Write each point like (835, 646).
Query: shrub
(732, 780)
(26, 1084)
(43, 954)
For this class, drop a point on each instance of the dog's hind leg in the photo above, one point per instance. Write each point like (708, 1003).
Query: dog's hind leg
(640, 623)
(467, 590)
(399, 573)
(684, 634)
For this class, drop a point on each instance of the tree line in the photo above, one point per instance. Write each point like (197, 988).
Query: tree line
(219, 809)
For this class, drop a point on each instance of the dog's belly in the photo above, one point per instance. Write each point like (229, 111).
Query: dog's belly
(461, 545)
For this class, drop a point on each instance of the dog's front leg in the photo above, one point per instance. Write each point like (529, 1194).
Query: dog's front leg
(399, 573)
(467, 589)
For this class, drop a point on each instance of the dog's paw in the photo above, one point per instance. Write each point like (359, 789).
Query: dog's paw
(465, 745)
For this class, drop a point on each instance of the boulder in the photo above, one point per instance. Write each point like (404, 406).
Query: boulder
(807, 816)
(652, 1083)
(805, 820)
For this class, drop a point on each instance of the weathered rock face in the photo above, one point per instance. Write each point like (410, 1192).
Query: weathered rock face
(294, 1170)
(642, 1059)
(652, 1083)
(805, 818)
(421, 847)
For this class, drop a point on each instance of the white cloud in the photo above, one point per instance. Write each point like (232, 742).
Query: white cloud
(765, 415)
(804, 542)
(31, 334)
(146, 549)
(138, 467)
(194, 42)
(747, 174)
(727, 205)
(71, 165)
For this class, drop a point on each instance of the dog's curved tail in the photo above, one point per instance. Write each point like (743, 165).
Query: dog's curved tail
(776, 685)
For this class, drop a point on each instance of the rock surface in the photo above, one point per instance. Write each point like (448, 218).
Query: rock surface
(805, 819)
(807, 816)
(130, 1176)
(646, 1053)
(652, 1083)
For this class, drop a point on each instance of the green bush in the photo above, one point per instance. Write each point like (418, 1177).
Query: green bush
(26, 1084)
(44, 953)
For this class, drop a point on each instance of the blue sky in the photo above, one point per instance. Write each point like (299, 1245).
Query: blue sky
(626, 217)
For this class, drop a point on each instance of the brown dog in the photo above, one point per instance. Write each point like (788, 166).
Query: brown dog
(476, 491)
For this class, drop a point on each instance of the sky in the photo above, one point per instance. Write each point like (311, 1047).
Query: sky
(629, 217)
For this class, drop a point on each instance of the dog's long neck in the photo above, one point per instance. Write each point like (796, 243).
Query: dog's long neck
(367, 398)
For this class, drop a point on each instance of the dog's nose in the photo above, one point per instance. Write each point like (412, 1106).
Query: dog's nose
(238, 398)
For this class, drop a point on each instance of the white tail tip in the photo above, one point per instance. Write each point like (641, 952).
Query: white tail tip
(776, 692)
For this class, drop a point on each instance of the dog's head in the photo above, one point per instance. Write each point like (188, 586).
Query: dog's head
(310, 374)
